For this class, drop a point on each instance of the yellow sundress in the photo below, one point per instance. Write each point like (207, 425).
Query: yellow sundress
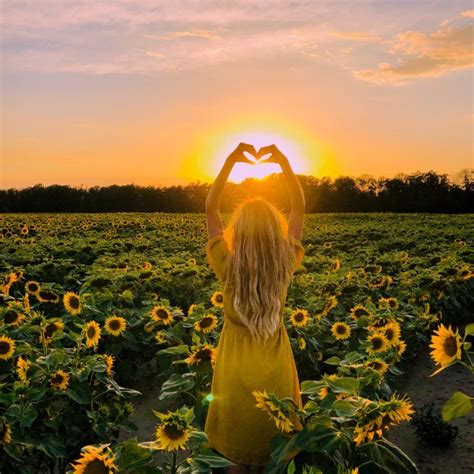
(235, 427)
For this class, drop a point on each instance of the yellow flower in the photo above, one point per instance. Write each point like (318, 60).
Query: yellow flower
(115, 325)
(22, 366)
(95, 460)
(7, 347)
(160, 337)
(359, 311)
(379, 365)
(202, 354)
(13, 316)
(50, 329)
(191, 309)
(335, 265)
(60, 380)
(5, 432)
(92, 333)
(392, 332)
(446, 346)
(109, 363)
(391, 303)
(162, 314)
(72, 303)
(206, 324)
(378, 343)
(217, 299)
(32, 287)
(276, 413)
(299, 318)
(302, 343)
(172, 434)
(147, 266)
(341, 331)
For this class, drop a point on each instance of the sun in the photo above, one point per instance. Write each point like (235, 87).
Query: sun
(242, 171)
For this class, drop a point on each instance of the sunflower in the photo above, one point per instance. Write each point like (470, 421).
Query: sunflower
(341, 331)
(47, 296)
(7, 347)
(50, 329)
(13, 317)
(335, 265)
(206, 324)
(147, 266)
(22, 366)
(202, 354)
(302, 343)
(162, 314)
(327, 245)
(217, 299)
(92, 333)
(109, 363)
(192, 262)
(191, 309)
(173, 433)
(391, 303)
(32, 287)
(331, 304)
(160, 337)
(5, 432)
(446, 346)
(72, 303)
(359, 311)
(277, 411)
(392, 332)
(378, 364)
(60, 380)
(378, 343)
(115, 325)
(400, 347)
(299, 318)
(95, 460)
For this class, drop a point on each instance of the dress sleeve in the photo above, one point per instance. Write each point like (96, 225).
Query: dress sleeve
(216, 251)
(299, 250)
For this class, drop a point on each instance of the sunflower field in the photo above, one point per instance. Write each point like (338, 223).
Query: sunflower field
(87, 300)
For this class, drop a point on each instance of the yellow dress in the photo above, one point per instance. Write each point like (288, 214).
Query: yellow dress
(235, 427)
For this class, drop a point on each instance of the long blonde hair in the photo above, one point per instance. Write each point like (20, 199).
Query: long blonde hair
(259, 265)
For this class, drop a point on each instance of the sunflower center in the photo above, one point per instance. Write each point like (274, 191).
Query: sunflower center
(91, 332)
(173, 432)
(4, 347)
(219, 298)
(360, 312)
(341, 329)
(74, 302)
(162, 314)
(377, 342)
(205, 322)
(57, 379)
(299, 317)
(114, 324)
(11, 317)
(50, 330)
(450, 346)
(203, 355)
(33, 287)
(96, 466)
(392, 303)
(389, 334)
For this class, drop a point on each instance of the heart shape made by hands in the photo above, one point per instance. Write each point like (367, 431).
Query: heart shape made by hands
(256, 158)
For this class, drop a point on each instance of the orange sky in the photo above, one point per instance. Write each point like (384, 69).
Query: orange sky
(158, 93)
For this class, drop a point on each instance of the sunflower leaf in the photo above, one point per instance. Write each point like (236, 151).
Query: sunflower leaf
(457, 406)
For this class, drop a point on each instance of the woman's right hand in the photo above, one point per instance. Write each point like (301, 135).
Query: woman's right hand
(276, 156)
(238, 154)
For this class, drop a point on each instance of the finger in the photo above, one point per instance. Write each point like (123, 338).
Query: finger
(265, 150)
(248, 148)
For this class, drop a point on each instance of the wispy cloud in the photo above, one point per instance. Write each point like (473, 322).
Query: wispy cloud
(209, 35)
(448, 48)
(357, 36)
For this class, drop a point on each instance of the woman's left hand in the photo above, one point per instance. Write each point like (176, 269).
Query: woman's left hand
(237, 156)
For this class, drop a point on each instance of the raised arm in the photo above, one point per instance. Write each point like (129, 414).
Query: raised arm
(213, 200)
(295, 191)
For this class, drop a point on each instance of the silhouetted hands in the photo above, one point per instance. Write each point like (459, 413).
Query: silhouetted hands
(276, 156)
(238, 154)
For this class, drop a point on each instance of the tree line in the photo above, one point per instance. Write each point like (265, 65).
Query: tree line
(417, 192)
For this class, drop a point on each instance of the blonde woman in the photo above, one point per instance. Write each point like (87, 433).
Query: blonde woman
(254, 258)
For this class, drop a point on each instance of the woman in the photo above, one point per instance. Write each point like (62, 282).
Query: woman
(254, 259)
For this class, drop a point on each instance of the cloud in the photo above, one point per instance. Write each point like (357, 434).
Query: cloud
(357, 36)
(447, 49)
(209, 35)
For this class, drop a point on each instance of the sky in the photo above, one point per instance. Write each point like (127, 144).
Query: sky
(160, 92)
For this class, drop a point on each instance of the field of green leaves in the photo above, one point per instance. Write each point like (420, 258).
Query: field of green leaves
(86, 300)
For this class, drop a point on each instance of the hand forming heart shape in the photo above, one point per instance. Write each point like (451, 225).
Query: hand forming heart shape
(248, 154)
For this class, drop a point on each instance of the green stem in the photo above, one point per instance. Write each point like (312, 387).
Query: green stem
(173, 466)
